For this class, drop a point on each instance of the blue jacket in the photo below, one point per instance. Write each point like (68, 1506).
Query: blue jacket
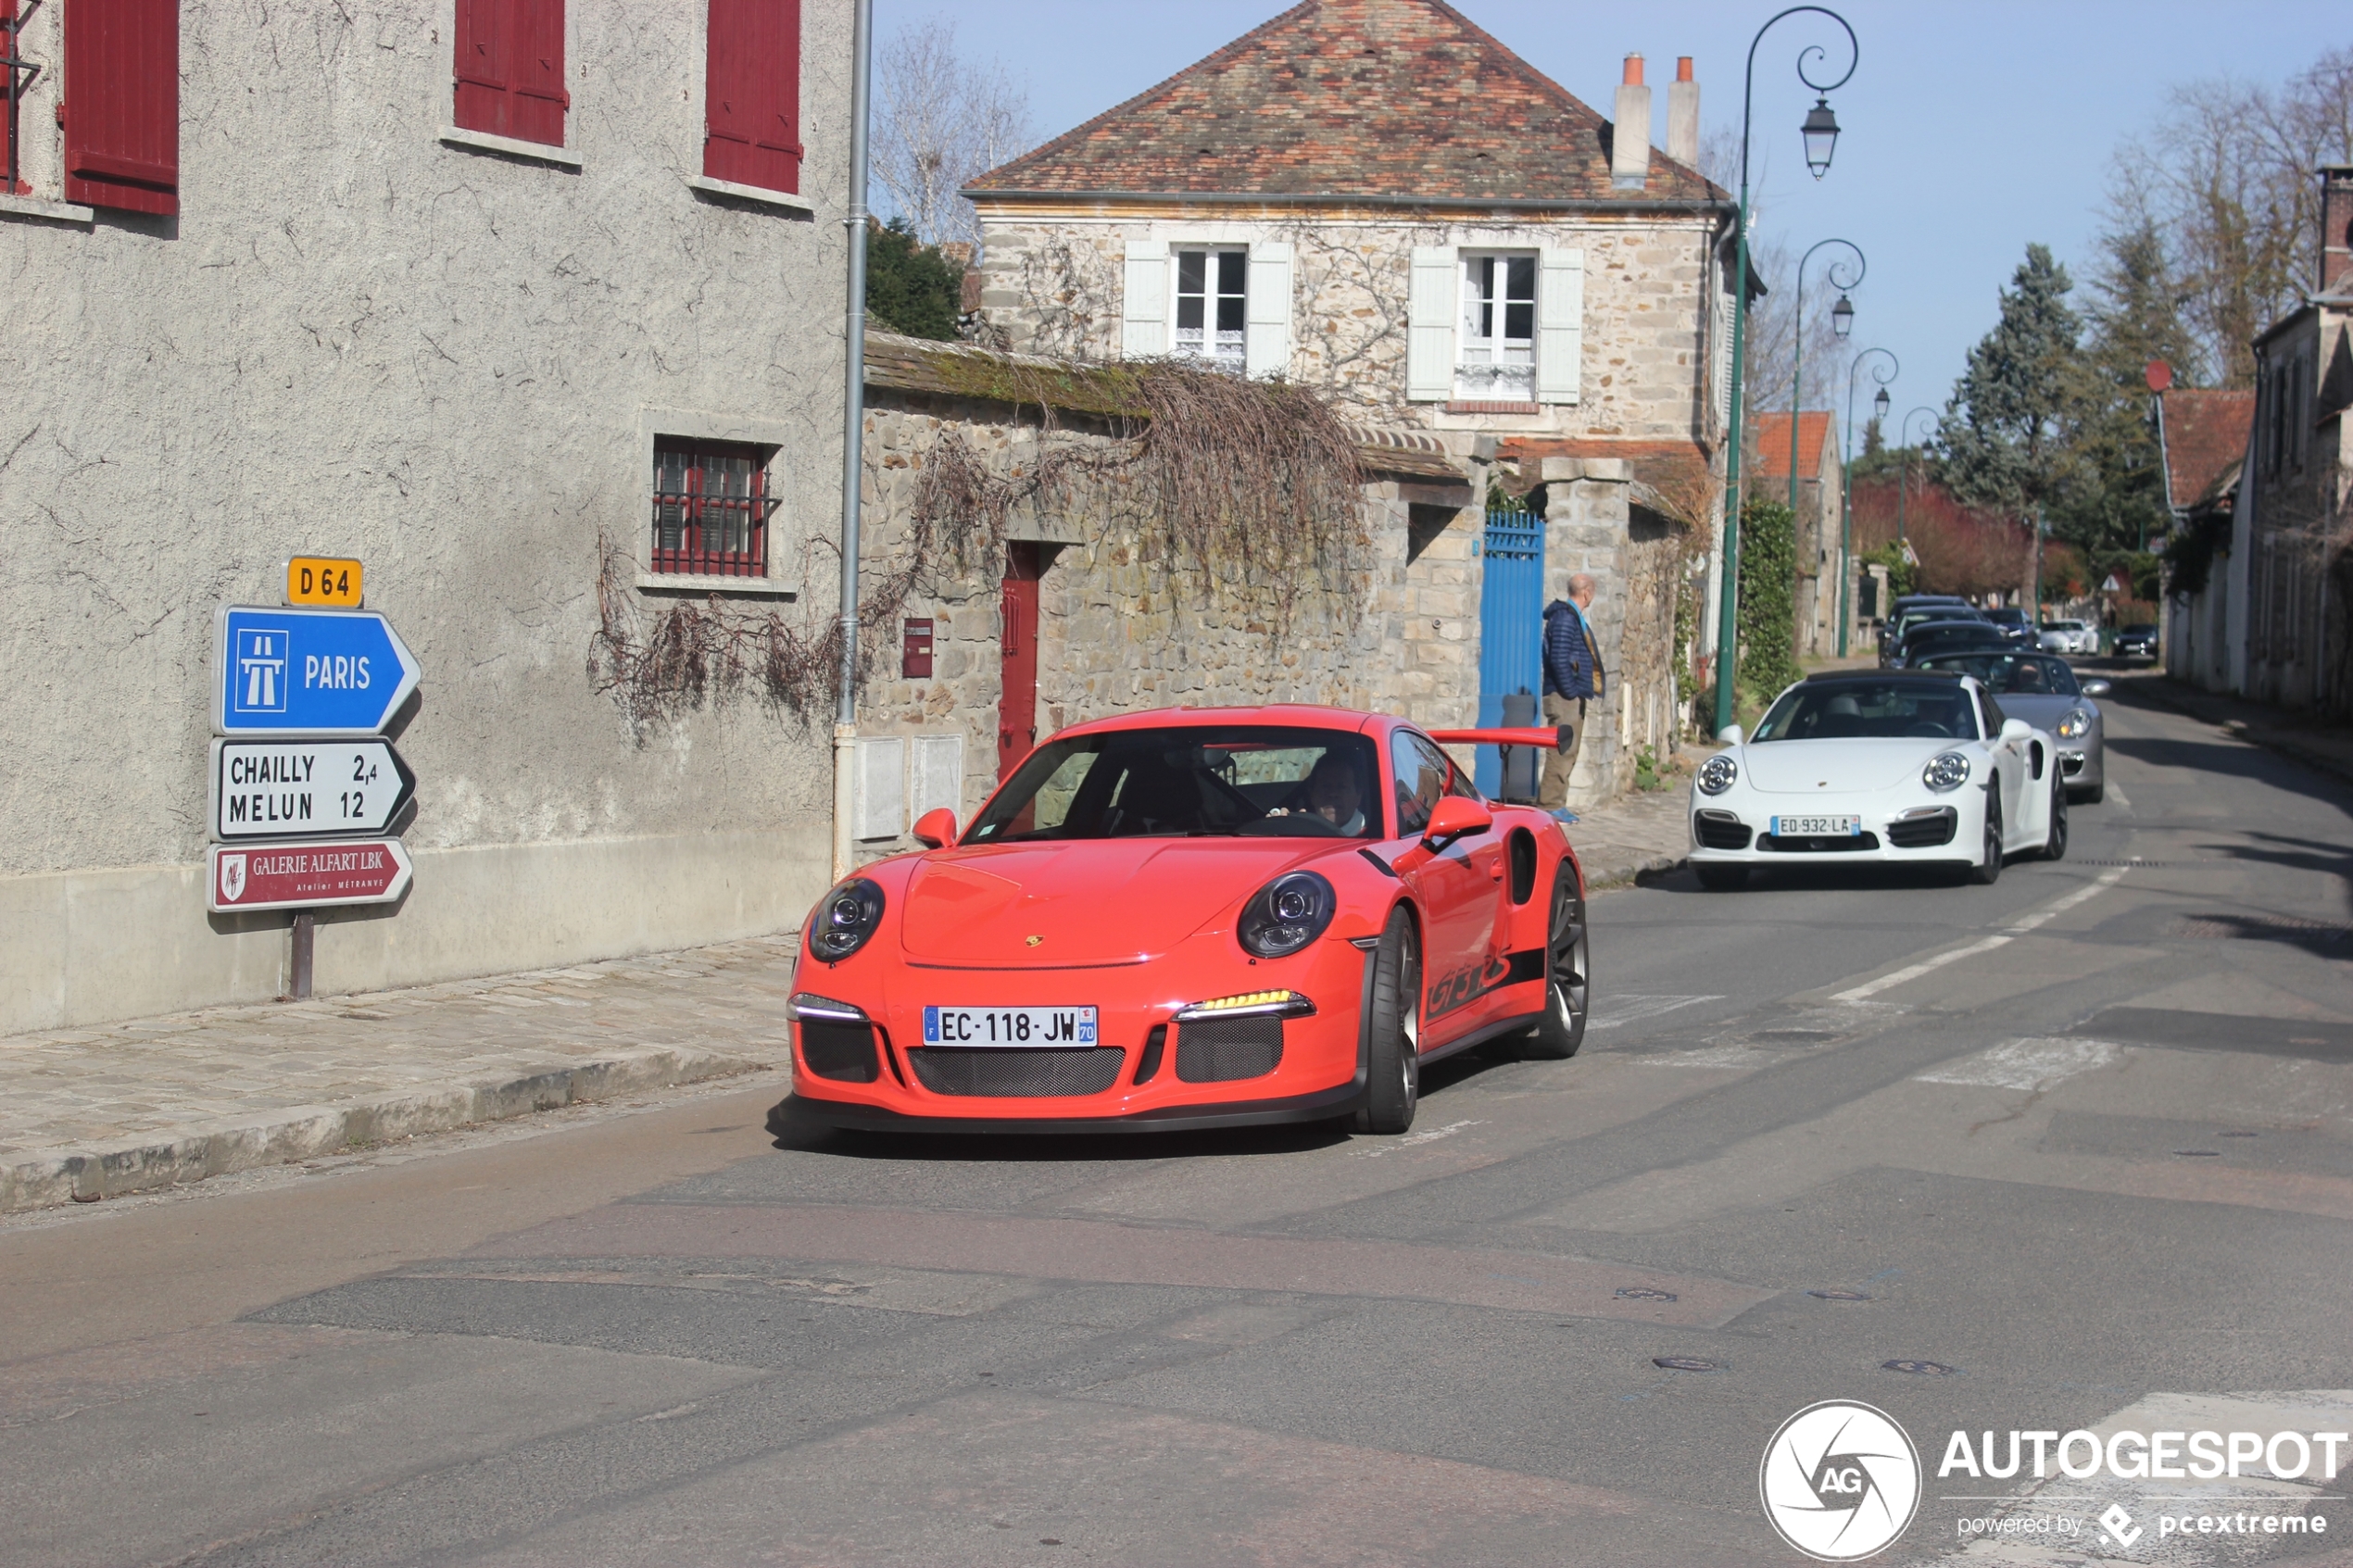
(1572, 662)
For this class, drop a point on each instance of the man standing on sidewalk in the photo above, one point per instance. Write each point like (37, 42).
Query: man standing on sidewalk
(1572, 676)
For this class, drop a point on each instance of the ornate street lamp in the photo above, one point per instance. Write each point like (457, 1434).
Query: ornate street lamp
(1820, 131)
(1842, 322)
(1846, 490)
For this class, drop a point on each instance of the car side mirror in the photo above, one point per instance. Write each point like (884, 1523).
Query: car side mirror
(1455, 817)
(2016, 729)
(1729, 736)
(2097, 688)
(936, 829)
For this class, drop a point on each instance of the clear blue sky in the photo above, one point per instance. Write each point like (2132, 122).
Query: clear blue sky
(1970, 129)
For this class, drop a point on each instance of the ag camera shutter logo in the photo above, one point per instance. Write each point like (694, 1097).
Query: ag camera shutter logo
(1839, 1481)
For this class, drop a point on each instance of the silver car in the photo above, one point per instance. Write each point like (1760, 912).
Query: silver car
(2068, 636)
(2042, 690)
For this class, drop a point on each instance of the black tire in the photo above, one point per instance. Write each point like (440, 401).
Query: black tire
(2055, 841)
(2091, 796)
(1568, 965)
(1393, 1064)
(1989, 870)
(1722, 879)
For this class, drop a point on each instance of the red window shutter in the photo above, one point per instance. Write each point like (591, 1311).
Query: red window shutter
(122, 103)
(751, 95)
(509, 69)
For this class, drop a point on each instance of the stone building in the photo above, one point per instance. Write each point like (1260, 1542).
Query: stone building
(456, 287)
(1822, 500)
(2206, 435)
(1376, 199)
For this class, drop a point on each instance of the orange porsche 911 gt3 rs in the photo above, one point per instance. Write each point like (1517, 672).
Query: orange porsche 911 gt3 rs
(1194, 918)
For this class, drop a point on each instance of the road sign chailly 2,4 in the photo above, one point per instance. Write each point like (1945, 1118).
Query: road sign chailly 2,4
(296, 671)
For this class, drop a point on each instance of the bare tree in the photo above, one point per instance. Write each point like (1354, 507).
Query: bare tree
(1767, 353)
(940, 120)
(2226, 176)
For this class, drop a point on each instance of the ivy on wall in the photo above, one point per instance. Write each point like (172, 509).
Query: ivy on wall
(1767, 595)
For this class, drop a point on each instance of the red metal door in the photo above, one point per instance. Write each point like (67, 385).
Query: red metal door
(1017, 699)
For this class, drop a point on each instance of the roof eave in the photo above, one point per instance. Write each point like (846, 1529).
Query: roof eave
(982, 196)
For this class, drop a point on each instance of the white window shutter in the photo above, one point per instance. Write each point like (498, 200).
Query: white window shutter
(1143, 312)
(1430, 325)
(1560, 325)
(1720, 371)
(1267, 341)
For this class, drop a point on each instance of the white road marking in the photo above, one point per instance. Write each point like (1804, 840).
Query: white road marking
(1429, 1136)
(2034, 1064)
(1628, 1008)
(2116, 792)
(1985, 945)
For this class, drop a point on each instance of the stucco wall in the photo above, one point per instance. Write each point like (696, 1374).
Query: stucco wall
(357, 339)
(1053, 284)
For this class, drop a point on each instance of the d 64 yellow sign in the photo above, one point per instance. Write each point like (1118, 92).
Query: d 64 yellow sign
(330, 580)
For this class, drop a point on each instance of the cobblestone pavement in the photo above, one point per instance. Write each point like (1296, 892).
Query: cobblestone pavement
(114, 1108)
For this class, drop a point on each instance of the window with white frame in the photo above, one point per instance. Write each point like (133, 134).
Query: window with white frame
(1495, 356)
(1212, 305)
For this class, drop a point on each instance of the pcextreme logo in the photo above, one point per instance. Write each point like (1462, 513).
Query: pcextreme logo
(1839, 1481)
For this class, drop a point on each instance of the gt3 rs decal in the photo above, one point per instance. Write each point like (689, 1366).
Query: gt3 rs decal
(1451, 992)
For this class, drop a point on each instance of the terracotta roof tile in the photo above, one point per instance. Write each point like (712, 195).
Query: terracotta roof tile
(1772, 446)
(2205, 434)
(1349, 98)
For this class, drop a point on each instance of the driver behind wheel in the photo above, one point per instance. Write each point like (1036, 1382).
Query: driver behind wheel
(1334, 794)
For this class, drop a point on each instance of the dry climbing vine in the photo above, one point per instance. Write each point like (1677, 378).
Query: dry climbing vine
(1247, 490)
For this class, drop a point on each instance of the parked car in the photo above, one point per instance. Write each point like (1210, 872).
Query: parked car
(2013, 624)
(2043, 690)
(1892, 635)
(1899, 768)
(1194, 918)
(2136, 642)
(2068, 636)
(1944, 637)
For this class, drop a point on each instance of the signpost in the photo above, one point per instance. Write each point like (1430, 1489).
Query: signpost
(305, 876)
(306, 789)
(291, 671)
(302, 785)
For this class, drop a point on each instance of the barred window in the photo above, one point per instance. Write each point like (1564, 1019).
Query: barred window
(711, 509)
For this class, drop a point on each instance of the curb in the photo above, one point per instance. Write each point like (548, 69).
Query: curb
(41, 1179)
(1611, 877)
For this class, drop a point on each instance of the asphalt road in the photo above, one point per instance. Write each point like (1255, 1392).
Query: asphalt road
(2076, 1149)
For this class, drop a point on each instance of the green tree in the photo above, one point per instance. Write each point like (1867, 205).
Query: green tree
(1767, 597)
(911, 287)
(2113, 497)
(2005, 432)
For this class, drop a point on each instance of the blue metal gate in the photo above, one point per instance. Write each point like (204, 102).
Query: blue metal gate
(1511, 639)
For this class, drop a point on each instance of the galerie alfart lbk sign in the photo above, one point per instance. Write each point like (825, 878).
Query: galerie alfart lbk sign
(305, 876)
(296, 671)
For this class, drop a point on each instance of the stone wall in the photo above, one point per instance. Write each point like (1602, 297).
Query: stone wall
(1119, 632)
(359, 337)
(1051, 284)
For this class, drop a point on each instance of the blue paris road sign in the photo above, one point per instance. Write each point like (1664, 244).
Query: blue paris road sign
(288, 671)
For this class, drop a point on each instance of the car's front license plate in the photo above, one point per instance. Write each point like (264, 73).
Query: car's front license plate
(1817, 827)
(1009, 1026)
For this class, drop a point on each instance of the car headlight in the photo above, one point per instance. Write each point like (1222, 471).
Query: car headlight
(1946, 771)
(845, 919)
(1717, 774)
(1286, 915)
(2077, 722)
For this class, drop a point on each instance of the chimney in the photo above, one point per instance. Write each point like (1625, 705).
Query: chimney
(1683, 116)
(2336, 225)
(1629, 145)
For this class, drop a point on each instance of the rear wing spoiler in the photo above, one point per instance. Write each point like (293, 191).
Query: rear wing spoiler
(1559, 737)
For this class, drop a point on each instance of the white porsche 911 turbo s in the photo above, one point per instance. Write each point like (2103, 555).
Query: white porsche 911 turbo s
(1893, 767)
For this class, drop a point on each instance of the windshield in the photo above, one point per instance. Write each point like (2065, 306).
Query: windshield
(1870, 711)
(2013, 674)
(1953, 634)
(1189, 782)
(2006, 617)
(1911, 619)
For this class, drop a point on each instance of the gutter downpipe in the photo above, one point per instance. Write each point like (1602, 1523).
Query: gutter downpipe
(852, 438)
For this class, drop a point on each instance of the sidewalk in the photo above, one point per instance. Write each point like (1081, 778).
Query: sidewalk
(101, 1112)
(2313, 739)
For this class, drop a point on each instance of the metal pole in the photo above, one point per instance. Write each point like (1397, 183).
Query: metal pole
(852, 436)
(1847, 488)
(2164, 468)
(1728, 618)
(306, 931)
(1797, 349)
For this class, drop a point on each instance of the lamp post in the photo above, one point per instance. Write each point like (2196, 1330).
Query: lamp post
(1820, 133)
(1903, 481)
(1893, 368)
(1842, 322)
